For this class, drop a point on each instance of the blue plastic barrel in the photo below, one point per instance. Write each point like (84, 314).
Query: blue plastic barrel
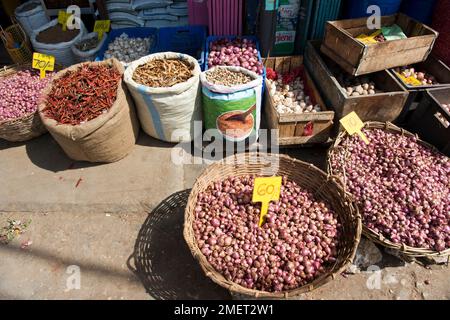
(421, 10)
(358, 8)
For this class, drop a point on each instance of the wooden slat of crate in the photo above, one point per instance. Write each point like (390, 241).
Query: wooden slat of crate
(357, 59)
(425, 121)
(291, 126)
(384, 106)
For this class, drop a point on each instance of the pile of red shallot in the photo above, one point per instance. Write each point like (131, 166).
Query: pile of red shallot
(19, 94)
(295, 245)
(401, 187)
(238, 52)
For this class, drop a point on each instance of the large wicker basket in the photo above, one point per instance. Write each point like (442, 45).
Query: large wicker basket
(27, 127)
(376, 237)
(307, 176)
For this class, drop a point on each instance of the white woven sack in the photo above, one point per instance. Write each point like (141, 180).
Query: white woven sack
(61, 51)
(82, 56)
(169, 113)
(32, 19)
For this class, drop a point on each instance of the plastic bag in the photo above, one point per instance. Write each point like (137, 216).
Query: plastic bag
(32, 19)
(61, 51)
(167, 114)
(89, 55)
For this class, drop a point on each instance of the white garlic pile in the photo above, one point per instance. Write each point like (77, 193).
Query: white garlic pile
(363, 89)
(126, 49)
(291, 98)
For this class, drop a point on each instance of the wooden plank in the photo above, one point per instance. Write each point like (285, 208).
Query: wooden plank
(387, 61)
(290, 125)
(357, 59)
(398, 46)
(345, 65)
(380, 107)
(322, 137)
(318, 127)
(318, 69)
(343, 45)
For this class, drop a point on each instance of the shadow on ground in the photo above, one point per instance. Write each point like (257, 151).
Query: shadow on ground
(162, 259)
(45, 152)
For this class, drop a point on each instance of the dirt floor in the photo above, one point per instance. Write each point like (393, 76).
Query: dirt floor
(117, 232)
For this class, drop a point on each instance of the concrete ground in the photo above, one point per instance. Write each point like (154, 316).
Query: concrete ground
(114, 231)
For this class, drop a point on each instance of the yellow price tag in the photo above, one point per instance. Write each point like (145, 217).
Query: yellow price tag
(43, 62)
(102, 26)
(266, 190)
(353, 124)
(62, 19)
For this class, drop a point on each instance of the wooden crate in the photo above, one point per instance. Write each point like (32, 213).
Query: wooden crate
(385, 106)
(291, 126)
(357, 58)
(426, 123)
(432, 66)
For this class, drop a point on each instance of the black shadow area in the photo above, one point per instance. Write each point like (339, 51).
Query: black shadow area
(162, 260)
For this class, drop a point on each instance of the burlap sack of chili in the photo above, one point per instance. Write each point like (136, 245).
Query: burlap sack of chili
(109, 136)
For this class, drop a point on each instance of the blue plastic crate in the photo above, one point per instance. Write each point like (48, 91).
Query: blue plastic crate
(188, 40)
(138, 32)
(252, 38)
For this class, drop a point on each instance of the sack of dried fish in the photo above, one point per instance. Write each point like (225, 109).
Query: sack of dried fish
(231, 103)
(165, 87)
(86, 48)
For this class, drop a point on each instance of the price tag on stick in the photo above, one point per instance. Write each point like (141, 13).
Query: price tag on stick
(353, 124)
(62, 19)
(266, 190)
(43, 62)
(102, 26)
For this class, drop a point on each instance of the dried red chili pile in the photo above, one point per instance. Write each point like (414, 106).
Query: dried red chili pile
(82, 95)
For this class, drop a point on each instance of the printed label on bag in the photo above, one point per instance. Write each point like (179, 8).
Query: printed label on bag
(265, 190)
(43, 62)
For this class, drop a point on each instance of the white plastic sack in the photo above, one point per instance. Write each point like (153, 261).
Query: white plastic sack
(178, 9)
(32, 19)
(159, 16)
(147, 4)
(221, 102)
(82, 56)
(61, 51)
(167, 114)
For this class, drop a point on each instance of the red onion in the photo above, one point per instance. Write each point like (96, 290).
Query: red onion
(402, 187)
(239, 52)
(295, 245)
(19, 94)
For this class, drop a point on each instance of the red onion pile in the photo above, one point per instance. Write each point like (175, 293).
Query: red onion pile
(401, 187)
(239, 52)
(19, 94)
(297, 243)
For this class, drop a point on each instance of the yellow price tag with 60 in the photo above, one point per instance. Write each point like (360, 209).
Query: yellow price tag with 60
(43, 62)
(265, 190)
(353, 124)
(102, 26)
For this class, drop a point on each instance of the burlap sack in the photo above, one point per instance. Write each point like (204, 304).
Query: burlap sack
(107, 138)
